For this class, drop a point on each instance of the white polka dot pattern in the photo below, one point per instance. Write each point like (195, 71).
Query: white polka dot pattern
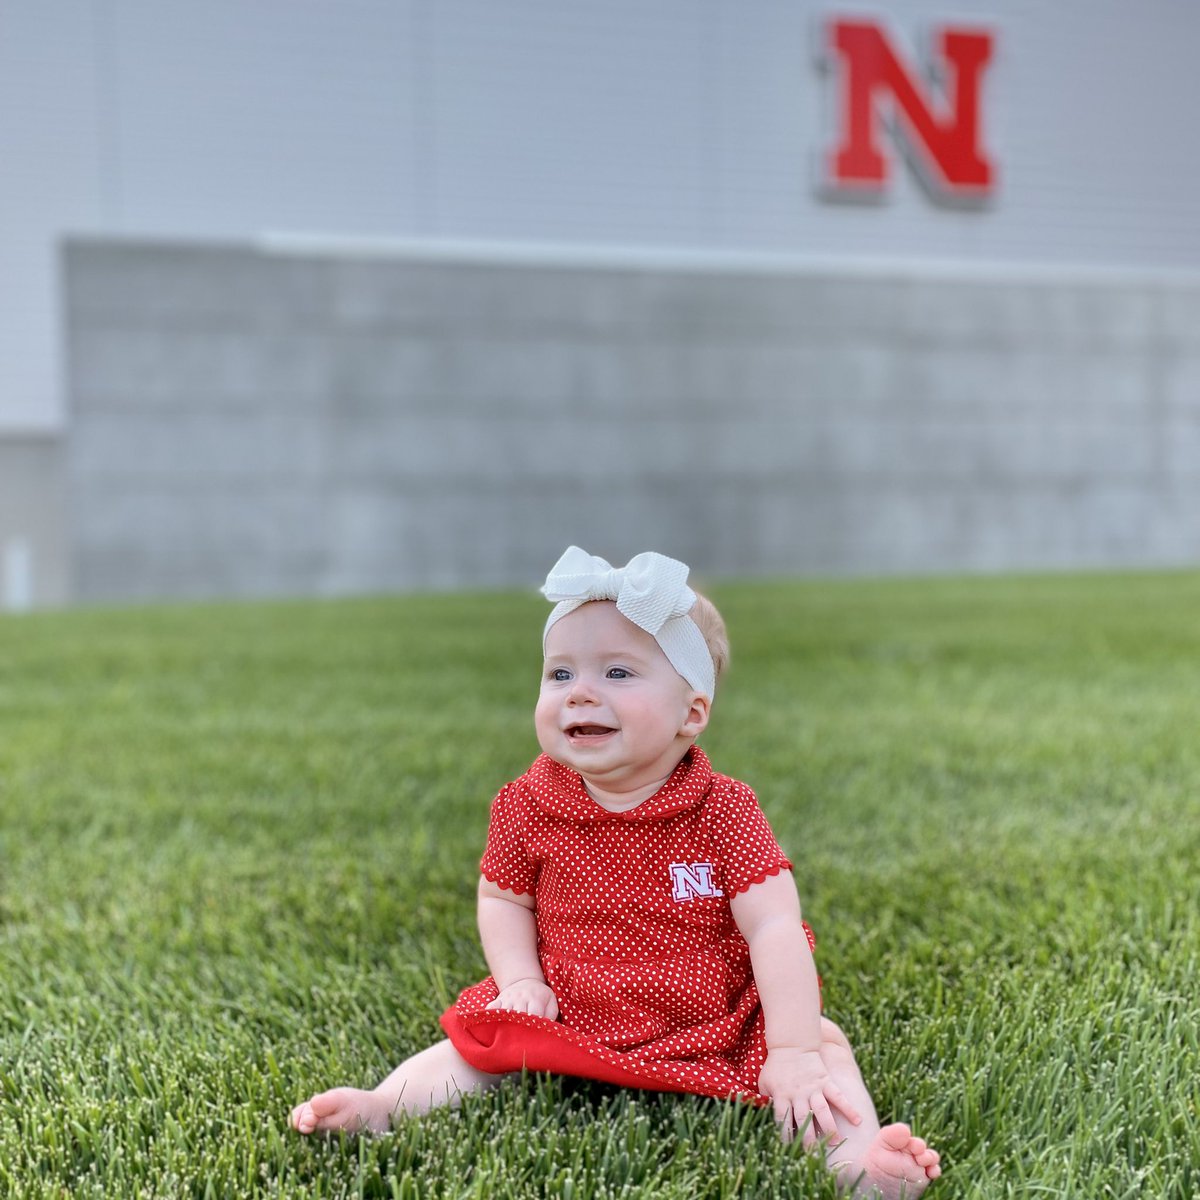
(659, 985)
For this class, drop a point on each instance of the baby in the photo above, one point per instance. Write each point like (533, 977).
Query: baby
(638, 916)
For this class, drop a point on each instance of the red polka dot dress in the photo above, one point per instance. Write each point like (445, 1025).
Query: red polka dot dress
(635, 933)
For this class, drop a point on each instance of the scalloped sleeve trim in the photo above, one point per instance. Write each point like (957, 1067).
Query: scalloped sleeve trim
(505, 884)
(783, 865)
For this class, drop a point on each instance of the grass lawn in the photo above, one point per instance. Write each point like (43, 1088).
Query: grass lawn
(239, 843)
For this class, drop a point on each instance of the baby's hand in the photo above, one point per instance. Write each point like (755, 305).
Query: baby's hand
(529, 996)
(799, 1083)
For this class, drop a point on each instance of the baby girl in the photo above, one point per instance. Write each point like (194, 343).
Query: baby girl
(638, 916)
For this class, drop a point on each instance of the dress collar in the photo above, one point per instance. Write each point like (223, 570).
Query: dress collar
(560, 791)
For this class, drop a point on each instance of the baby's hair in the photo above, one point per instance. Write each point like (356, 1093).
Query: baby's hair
(712, 625)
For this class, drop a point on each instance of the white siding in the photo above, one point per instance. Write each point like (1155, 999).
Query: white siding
(677, 124)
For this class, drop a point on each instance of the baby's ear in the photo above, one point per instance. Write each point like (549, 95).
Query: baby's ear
(699, 706)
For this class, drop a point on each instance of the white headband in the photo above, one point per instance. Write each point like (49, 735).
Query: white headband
(651, 591)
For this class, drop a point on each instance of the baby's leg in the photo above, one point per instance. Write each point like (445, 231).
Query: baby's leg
(437, 1076)
(888, 1162)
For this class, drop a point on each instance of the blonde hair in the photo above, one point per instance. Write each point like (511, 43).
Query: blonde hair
(712, 626)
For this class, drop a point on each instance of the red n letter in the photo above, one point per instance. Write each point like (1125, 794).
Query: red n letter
(946, 146)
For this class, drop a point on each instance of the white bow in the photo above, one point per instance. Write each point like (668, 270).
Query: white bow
(651, 591)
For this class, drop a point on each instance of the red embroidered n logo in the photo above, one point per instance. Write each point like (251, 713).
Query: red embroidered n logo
(876, 88)
(690, 880)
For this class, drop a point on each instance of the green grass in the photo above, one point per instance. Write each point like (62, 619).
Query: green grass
(238, 847)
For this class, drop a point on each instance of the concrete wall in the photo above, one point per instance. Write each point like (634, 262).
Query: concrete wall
(249, 423)
(34, 569)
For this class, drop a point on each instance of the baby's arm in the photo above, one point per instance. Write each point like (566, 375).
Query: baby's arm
(508, 930)
(794, 1075)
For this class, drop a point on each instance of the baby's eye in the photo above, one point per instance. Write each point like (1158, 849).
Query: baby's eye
(560, 675)
(617, 673)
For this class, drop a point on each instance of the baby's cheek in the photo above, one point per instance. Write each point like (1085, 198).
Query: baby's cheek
(544, 718)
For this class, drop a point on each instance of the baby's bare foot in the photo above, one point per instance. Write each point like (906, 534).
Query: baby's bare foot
(897, 1165)
(342, 1108)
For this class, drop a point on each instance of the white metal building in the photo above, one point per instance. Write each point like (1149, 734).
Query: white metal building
(674, 131)
(695, 125)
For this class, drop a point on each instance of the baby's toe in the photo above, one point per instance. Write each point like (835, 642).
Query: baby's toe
(326, 1104)
(896, 1137)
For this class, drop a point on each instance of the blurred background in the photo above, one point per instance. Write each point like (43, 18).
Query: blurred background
(305, 297)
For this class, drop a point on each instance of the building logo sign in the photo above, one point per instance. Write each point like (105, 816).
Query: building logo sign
(883, 106)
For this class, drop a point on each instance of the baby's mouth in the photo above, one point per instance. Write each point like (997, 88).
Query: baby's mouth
(583, 732)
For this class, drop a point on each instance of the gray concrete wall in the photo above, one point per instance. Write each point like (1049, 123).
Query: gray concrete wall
(34, 570)
(249, 423)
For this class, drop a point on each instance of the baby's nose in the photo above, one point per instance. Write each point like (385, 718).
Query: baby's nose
(581, 691)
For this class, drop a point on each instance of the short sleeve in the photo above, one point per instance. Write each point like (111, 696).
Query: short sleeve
(746, 845)
(506, 862)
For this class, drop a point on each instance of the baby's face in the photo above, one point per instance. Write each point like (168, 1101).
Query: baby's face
(611, 706)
